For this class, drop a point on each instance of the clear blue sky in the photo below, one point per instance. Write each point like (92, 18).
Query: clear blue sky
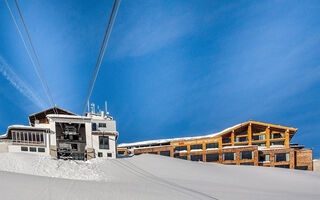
(172, 68)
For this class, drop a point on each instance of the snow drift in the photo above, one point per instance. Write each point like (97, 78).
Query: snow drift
(32, 177)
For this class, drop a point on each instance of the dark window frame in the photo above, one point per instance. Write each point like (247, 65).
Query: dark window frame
(104, 142)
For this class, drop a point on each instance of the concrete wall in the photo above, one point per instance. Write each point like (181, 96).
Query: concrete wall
(316, 165)
(3, 147)
(17, 149)
(112, 146)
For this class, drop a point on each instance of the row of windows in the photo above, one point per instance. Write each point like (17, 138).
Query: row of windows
(254, 137)
(27, 137)
(100, 154)
(100, 125)
(33, 149)
(197, 147)
(244, 155)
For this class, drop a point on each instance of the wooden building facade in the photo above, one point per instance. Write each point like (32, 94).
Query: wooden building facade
(250, 143)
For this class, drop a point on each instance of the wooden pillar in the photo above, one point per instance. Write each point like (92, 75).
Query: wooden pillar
(268, 137)
(250, 134)
(287, 139)
(220, 143)
(204, 157)
(232, 138)
(188, 148)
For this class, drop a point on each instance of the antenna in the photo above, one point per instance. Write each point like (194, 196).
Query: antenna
(88, 107)
(106, 107)
(93, 110)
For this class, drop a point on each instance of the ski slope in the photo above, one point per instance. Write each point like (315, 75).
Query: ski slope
(33, 177)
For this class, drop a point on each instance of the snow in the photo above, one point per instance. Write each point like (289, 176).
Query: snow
(148, 177)
(149, 142)
(67, 116)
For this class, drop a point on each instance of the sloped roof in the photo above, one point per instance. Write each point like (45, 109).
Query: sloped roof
(225, 131)
(44, 113)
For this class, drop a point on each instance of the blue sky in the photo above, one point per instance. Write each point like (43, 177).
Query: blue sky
(172, 68)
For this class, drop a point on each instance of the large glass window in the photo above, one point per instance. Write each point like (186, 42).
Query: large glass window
(196, 147)
(103, 142)
(264, 158)
(212, 157)
(241, 139)
(247, 163)
(165, 153)
(212, 145)
(182, 157)
(41, 150)
(258, 137)
(196, 157)
(282, 157)
(246, 155)
(181, 148)
(229, 156)
(226, 140)
(277, 135)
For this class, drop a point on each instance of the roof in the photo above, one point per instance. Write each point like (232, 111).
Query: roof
(67, 116)
(43, 114)
(225, 131)
(21, 127)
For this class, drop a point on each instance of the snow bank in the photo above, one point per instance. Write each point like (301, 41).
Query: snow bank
(150, 177)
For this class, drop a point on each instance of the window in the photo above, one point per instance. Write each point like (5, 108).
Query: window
(264, 158)
(212, 145)
(182, 157)
(102, 125)
(103, 142)
(74, 147)
(196, 157)
(100, 154)
(241, 139)
(258, 137)
(165, 153)
(212, 157)
(226, 140)
(247, 163)
(94, 126)
(41, 150)
(109, 155)
(33, 149)
(228, 156)
(121, 152)
(282, 157)
(24, 148)
(261, 144)
(181, 148)
(277, 135)
(283, 166)
(196, 147)
(246, 155)
(277, 143)
(302, 167)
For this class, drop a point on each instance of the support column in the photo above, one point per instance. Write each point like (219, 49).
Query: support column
(232, 138)
(287, 138)
(250, 134)
(268, 137)
(220, 143)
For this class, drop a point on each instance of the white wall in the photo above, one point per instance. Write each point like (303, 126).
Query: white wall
(112, 146)
(17, 149)
(3, 147)
(316, 165)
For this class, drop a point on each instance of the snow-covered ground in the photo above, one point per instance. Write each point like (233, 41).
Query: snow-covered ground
(33, 177)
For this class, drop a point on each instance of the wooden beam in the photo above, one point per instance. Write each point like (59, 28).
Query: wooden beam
(250, 134)
(268, 137)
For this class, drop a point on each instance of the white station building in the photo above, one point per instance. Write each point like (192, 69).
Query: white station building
(64, 135)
